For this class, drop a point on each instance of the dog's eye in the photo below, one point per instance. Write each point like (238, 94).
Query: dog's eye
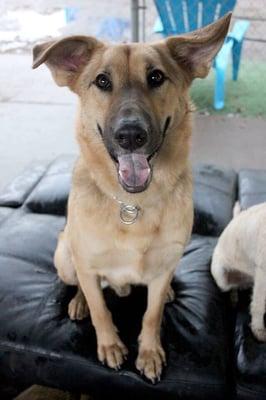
(103, 82)
(155, 78)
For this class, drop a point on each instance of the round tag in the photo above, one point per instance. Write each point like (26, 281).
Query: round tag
(128, 214)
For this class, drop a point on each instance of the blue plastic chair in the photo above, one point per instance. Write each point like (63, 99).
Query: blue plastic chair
(181, 16)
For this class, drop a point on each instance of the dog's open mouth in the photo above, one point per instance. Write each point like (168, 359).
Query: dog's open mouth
(134, 169)
(134, 172)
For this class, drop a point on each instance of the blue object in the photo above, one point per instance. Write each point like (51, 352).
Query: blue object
(71, 14)
(181, 16)
(112, 28)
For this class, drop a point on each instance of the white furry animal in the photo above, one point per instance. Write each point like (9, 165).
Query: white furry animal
(239, 261)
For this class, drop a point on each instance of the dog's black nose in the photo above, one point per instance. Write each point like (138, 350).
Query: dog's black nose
(131, 137)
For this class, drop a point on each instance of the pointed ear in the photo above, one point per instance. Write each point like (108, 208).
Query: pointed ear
(195, 51)
(65, 58)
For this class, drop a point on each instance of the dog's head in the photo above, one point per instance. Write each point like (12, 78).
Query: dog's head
(132, 94)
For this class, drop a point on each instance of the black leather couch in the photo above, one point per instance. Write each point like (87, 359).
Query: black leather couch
(210, 349)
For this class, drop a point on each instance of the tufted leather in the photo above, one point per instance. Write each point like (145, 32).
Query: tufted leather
(214, 198)
(252, 187)
(50, 194)
(38, 342)
(17, 191)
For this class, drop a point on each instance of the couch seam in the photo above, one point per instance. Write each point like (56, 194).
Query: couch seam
(56, 356)
(244, 388)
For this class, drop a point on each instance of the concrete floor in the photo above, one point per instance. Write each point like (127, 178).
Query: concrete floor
(37, 123)
(36, 117)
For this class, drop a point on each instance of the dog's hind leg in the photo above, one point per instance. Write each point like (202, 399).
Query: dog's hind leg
(258, 305)
(227, 276)
(170, 295)
(220, 274)
(63, 262)
(77, 308)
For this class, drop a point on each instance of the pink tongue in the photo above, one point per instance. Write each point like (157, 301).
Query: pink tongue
(134, 169)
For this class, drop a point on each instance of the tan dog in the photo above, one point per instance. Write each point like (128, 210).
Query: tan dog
(239, 261)
(130, 208)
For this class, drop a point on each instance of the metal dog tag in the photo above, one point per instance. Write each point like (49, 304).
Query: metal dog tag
(128, 214)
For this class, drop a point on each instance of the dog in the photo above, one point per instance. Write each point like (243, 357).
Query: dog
(239, 261)
(130, 208)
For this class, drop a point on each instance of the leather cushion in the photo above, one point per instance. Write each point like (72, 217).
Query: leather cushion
(4, 213)
(51, 193)
(14, 194)
(250, 355)
(252, 187)
(214, 198)
(39, 343)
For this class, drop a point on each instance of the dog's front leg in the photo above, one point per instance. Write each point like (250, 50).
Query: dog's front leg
(151, 355)
(110, 348)
(258, 305)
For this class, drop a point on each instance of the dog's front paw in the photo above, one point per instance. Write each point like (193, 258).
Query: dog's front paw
(112, 351)
(150, 361)
(259, 333)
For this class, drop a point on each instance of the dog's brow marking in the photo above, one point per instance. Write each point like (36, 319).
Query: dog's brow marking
(149, 67)
(106, 71)
(128, 52)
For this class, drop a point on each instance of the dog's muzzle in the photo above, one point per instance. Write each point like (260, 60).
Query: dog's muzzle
(132, 140)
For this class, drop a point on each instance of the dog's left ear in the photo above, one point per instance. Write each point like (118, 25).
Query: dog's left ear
(66, 57)
(195, 51)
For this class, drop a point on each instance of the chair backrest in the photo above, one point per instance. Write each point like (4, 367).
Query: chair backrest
(180, 16)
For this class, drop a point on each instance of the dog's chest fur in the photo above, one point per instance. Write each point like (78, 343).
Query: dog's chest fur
(132, 254)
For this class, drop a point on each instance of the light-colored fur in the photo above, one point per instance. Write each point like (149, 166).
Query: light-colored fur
(95, 244)
(239, 261)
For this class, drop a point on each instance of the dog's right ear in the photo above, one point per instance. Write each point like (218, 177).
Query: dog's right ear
(195, 51)
(65, 58)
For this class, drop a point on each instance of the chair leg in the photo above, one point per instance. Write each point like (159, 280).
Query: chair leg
(219, 88)
(236, 54)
